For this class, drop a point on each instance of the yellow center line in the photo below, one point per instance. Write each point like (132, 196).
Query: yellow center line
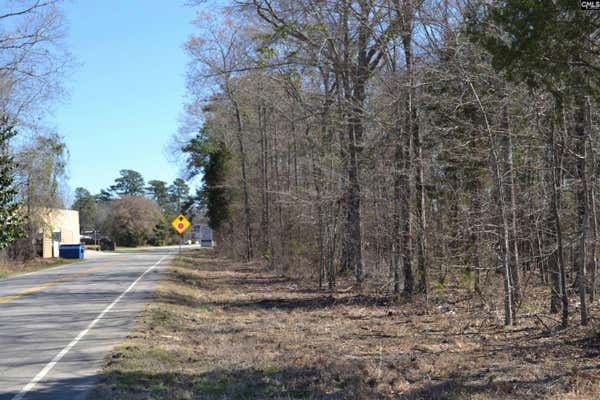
(46, 285)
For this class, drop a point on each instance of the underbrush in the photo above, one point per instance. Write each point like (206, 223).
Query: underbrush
(218, 329)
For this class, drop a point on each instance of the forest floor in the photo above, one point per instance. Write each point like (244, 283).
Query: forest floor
(218, 329)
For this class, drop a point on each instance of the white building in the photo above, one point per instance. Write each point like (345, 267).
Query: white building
(59, 227)
(202, 234)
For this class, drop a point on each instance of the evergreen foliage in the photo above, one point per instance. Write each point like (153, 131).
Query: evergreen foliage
(11, 219)
(540, 43)
(215, 194)
(85, 203)
(130, 183)
(211, 160)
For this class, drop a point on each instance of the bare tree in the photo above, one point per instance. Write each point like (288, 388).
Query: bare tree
(218, 56)
(32, 55)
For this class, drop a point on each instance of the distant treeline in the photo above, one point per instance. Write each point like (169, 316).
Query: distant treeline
(132, 212)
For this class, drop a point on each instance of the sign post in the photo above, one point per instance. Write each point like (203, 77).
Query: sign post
(180, 224)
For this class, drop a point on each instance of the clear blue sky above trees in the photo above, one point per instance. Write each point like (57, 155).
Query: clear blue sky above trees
(127, 93)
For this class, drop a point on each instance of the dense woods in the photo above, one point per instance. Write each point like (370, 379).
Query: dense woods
(403, 142)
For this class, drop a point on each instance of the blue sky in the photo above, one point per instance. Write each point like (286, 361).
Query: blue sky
(126, 95)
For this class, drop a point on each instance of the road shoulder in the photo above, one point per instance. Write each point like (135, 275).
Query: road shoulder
(12, 268)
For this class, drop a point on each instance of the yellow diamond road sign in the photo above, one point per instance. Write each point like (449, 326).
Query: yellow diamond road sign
(180, 224)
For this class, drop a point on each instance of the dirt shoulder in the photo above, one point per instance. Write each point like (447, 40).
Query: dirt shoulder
(224, 330)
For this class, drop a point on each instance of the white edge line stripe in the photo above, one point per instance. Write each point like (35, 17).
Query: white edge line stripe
(64, 351)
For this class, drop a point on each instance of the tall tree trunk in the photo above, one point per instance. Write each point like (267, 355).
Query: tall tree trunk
(318, 182)
(554, 269)
(396, 236)
(475, 213)
(354, 220)
(556, 182)
(400, 203)
(562, 277)
(247, 212)
(405, 216)
(413, 129)
(321, 243)
(401, 196)
(264, 195)
(277, 185)
(582, 201)
(592, 205)
(504, 239)
(502, 208)
(332, 235)
(509, 185)
(356, 99)
(593, 257)
(421, 206)
(422, 264)
(295, 159)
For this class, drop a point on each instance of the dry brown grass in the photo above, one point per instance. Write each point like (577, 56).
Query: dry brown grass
(10, 267)
(224, 330)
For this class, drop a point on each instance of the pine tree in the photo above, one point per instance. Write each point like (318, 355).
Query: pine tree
(214, 193)
(212, 161)
(11, 220)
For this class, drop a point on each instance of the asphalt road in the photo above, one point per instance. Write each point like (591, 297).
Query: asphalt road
(57, 325)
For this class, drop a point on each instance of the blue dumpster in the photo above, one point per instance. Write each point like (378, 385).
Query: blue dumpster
(71, 251)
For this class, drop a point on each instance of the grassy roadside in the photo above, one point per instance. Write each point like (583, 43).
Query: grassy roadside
(121, 249)
(217, 329)
(15, 268)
